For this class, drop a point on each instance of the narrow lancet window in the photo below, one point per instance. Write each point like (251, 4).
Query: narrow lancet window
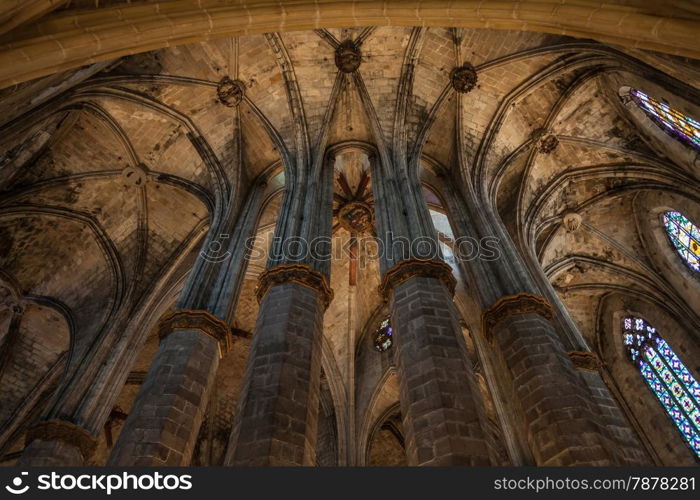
(685, 237)
(673, 122)
(383, 336)
(674, 386)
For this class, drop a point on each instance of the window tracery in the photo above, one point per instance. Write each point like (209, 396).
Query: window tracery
(685, 237)
(673, 122)
(383, 336)
(668, 378)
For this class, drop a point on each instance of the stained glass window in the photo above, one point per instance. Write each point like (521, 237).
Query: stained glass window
(383, 339)
(673, 122)
(685, 236)
(667, 376)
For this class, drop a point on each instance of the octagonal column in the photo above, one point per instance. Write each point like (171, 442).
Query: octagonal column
(591, 370)
(544, 392)
(276, 418)
(441, 405)
(561, 420)
(52, 443)
(276, 422)
(164, 421)
(440, 401)
(11, 337)
(166, 416)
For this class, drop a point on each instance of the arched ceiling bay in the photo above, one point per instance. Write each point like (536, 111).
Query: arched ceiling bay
(158, 113)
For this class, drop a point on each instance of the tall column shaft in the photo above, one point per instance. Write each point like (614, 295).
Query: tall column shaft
(438, 393)
(631, 451)
(164, 422)
(53, 443)
(552, 401)
(561, 421)
(276, 422)
(166, 416)
(441, 406)
(85, 400)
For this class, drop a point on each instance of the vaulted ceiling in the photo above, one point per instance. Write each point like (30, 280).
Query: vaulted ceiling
(110, 173)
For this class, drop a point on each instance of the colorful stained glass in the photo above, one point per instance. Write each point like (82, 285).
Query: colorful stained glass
(669, 379)
(671, 121)
(685, 236)
(383, 337)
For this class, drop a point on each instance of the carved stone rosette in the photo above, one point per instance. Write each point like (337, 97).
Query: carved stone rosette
(547, 144)
(544, 141)
(348, 56)
(571, 221)
(411, 268)
(510, 305)
(585, 360)
(195, 319)
(230, 92)
(66, 432)
(463, 78)
(134, 175)
(300, 274)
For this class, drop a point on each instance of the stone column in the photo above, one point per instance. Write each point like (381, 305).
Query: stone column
(164, 422)
(561, 420)
(549, 399)
(591, 369)
(440, 402)
(11, 336)
(53, 443)
(441, 405)
(623, 444)
(166, 416)
(276, 421)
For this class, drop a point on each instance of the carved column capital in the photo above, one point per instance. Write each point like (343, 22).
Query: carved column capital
(301, 274)
(410, 268)
(585, 360)
(204, 321)
(510, 305)
(66, 432)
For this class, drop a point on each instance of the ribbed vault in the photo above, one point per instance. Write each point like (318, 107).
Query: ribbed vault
(110, 174)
